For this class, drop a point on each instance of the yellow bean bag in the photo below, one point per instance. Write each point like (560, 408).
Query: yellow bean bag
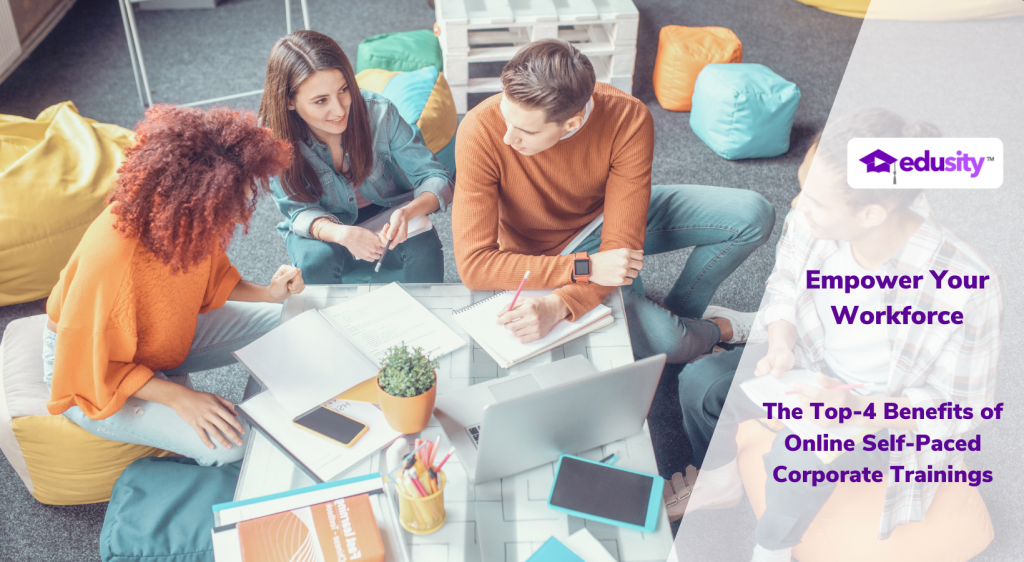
(59, 462)
(682, 53)
(957, 526)
(55, 174)
(921, 10)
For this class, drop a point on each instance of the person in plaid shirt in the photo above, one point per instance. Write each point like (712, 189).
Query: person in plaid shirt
(838, 230)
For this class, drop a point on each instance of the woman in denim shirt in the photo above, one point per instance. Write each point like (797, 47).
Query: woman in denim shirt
(355, 157)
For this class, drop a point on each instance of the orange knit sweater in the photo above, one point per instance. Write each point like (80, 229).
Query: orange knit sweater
(515, 213)
(120, 314)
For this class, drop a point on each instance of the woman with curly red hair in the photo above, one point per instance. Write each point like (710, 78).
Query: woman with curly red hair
(150, 293)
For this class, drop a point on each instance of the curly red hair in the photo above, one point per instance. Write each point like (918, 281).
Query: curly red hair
(183, 184)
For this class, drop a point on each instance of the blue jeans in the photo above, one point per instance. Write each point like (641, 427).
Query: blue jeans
(419, 259)
(218, 333)
(724, 226)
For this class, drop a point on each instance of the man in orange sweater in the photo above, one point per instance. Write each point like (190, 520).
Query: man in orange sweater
(555, 154)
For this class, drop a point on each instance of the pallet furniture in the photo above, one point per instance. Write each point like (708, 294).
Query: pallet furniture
(501, 521)
(488, 31)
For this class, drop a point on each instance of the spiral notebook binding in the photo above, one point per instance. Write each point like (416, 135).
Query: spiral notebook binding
(490, 298)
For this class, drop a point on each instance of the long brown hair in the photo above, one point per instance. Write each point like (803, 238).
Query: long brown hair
(294, 58)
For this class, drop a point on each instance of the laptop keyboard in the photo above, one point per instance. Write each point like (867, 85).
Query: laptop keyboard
(474, 434)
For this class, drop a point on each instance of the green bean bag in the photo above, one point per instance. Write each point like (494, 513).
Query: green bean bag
(402, 51)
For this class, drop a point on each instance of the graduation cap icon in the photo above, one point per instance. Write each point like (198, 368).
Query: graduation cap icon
(878, 161)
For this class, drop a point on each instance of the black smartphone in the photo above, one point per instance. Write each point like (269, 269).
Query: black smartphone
(332, 424)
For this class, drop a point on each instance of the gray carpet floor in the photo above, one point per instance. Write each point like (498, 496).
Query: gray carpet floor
(197, 55)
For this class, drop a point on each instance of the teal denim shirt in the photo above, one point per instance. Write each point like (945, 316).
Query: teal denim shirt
(403, 168)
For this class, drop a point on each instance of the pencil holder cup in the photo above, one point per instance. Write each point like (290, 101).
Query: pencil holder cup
(421, 515)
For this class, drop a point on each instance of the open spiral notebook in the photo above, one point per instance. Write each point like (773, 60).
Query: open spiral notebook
(480, 320)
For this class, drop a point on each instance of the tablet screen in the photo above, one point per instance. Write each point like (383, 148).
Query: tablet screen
(603, 491)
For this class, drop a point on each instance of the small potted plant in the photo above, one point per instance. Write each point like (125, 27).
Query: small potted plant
(407, 386)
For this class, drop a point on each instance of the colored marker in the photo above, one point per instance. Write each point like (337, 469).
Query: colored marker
(519, 290)
(405, 460)
(416, 483)
(433, 450)
(383, 254)
(445, 459)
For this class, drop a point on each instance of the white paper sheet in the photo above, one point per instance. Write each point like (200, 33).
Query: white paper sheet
(481, 323)
(584, 545)
(324, 457)
(226, 547)
(767, 388)
(305, 362)
(390, 316)
(417, 225)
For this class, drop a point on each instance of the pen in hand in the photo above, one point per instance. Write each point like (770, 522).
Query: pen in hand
(376, 268)
(520, 290)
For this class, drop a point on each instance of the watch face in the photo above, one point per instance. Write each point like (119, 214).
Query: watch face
(582, 267)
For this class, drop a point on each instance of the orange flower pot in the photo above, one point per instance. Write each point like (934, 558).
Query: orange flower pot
(408, 415)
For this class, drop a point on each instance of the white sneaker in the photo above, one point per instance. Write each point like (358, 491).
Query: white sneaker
(741, 322)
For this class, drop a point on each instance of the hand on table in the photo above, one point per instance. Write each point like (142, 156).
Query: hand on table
(533, 317)
(614, 268)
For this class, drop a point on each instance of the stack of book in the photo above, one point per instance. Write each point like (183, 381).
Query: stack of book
(346, 520)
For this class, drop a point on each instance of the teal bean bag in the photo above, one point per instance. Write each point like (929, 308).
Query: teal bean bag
(160, 510)
(743, 110)
(402, 51)
(425, 102)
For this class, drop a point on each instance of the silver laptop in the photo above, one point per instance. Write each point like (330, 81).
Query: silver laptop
(508, 425)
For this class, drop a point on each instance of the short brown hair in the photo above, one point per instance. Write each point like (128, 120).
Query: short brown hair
(552, 75)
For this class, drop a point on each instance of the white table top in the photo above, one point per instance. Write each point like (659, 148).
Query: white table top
(500, 521)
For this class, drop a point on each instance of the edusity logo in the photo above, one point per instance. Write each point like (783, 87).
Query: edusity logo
(881, 162)
(924, 163)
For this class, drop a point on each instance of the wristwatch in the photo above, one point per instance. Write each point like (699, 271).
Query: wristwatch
(581, 268)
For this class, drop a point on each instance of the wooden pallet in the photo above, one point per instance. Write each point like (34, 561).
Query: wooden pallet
(481, 31)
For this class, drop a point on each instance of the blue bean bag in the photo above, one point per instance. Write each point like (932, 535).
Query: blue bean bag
(743, 110)
(161, 510)
(425, 102)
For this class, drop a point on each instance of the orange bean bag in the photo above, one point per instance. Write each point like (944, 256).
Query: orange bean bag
(957, 526)
(682, 54)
